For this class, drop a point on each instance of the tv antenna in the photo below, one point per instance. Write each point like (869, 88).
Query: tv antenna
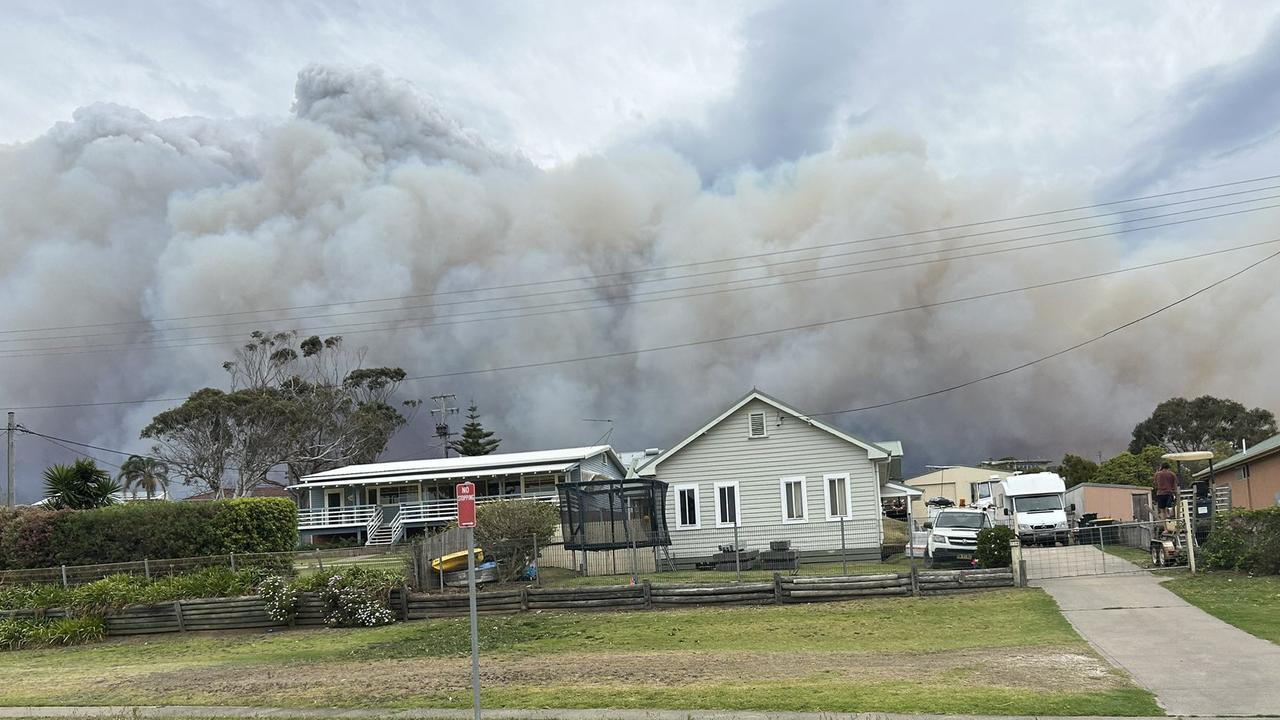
(607, 433)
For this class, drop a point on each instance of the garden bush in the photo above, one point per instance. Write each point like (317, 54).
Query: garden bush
(256, 525)
(16, 634)
(26, 537)
(354, 596)
(116, 591)
(506, 531)
(1246, 540)
(993, 547)
(156, 530)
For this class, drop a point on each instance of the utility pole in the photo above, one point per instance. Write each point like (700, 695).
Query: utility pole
(441, 414)
(8, 497)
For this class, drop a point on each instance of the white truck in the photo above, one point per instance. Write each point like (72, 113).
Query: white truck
(953, 536)
(1034, 505)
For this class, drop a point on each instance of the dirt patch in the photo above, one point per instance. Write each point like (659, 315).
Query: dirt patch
(386, 681)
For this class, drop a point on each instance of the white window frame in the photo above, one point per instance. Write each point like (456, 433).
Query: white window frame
(697, 506)
(737, 503)
(826, 495)
(804, 498)
(764, 424)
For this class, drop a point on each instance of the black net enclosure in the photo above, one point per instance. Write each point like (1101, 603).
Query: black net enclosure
(614, 514)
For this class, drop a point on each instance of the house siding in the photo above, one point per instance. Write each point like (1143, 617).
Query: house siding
(1109, 501)
(1261, 490)
(726, 454)
(603, 465)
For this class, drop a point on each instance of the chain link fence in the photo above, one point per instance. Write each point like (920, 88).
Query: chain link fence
(730, 553)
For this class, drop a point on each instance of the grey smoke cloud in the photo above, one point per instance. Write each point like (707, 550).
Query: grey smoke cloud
(371, 190)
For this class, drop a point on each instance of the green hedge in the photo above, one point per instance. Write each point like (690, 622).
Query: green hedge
(32, 538)
(1245, 540)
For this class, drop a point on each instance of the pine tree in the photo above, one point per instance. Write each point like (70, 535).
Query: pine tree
(475, 439)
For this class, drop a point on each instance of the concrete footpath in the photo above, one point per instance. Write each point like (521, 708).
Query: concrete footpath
(199, 711)
(1194, 663)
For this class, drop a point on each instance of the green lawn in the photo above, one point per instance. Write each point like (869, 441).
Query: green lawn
(927, 655)
(1141, 558)
(1250, 603)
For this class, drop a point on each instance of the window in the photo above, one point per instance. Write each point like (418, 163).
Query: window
(1244, 472)
(687, 515)
(836, 491)
(756, 426)
(393, 495)
(795, 506)
(727, 511)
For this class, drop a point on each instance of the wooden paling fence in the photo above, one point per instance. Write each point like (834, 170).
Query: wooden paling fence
(250, 612)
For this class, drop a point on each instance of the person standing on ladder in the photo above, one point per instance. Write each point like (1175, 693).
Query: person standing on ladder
(1166, 491)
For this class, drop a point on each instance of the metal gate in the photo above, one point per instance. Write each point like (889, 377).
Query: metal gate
(1100, 550)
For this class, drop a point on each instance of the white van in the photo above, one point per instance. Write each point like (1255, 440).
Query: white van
(1035, 508)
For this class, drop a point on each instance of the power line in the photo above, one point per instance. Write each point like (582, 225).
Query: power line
(1059, 353)
(56, 439)
(727, 338)
(73, 451)
(765, 266)
(597, 276)
(776, 280)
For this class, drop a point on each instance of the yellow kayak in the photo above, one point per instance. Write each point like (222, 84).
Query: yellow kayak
(455, 561)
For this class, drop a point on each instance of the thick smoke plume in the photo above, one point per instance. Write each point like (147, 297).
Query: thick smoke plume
(371, 191)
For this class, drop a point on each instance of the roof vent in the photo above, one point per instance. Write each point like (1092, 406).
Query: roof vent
(652, 451)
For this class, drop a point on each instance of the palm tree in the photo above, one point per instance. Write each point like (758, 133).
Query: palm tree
(145, 473)
(80, 486)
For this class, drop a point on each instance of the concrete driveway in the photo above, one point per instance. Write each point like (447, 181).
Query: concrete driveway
(1193, 662)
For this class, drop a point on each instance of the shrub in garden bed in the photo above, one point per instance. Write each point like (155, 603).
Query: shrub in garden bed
(354, 596)
(117, 591)
(1246, 540)
(993, 547)
(19, 634)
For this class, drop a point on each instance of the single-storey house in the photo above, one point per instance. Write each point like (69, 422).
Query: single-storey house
(1249, 479)
(1122, 503)
(382, 503)
(954, 483)
(764, 472)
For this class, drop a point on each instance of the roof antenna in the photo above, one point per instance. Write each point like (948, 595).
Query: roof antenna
(607, 433)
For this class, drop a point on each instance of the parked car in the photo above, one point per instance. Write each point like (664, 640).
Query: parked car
(954, 536)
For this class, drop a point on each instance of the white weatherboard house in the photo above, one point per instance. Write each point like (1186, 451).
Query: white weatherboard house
(381, 503)
(778, 475)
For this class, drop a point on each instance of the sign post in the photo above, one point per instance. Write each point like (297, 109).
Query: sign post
(466, 494)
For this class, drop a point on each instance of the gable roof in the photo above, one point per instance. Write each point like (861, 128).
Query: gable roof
(1262, 449)
(874, 452)
(455, 465)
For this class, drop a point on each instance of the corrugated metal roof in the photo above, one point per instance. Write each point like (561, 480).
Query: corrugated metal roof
(1266, 447)
(457, 474)
(459, 464)
(894, 447)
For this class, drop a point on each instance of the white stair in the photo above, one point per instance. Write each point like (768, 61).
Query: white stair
(384, 535)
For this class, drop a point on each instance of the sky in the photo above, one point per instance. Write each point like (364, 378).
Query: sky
(167, 160)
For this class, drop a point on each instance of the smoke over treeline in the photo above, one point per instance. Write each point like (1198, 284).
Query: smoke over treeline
(118, 222)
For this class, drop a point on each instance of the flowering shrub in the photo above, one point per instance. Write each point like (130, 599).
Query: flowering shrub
(281, 598)
(355, 596)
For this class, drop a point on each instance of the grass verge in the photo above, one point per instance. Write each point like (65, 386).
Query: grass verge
(876, 655)
(1248, 602)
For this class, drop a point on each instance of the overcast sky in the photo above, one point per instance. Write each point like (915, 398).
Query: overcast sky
(1000, 107)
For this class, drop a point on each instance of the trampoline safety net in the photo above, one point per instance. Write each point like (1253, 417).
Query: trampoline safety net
(614, 514)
